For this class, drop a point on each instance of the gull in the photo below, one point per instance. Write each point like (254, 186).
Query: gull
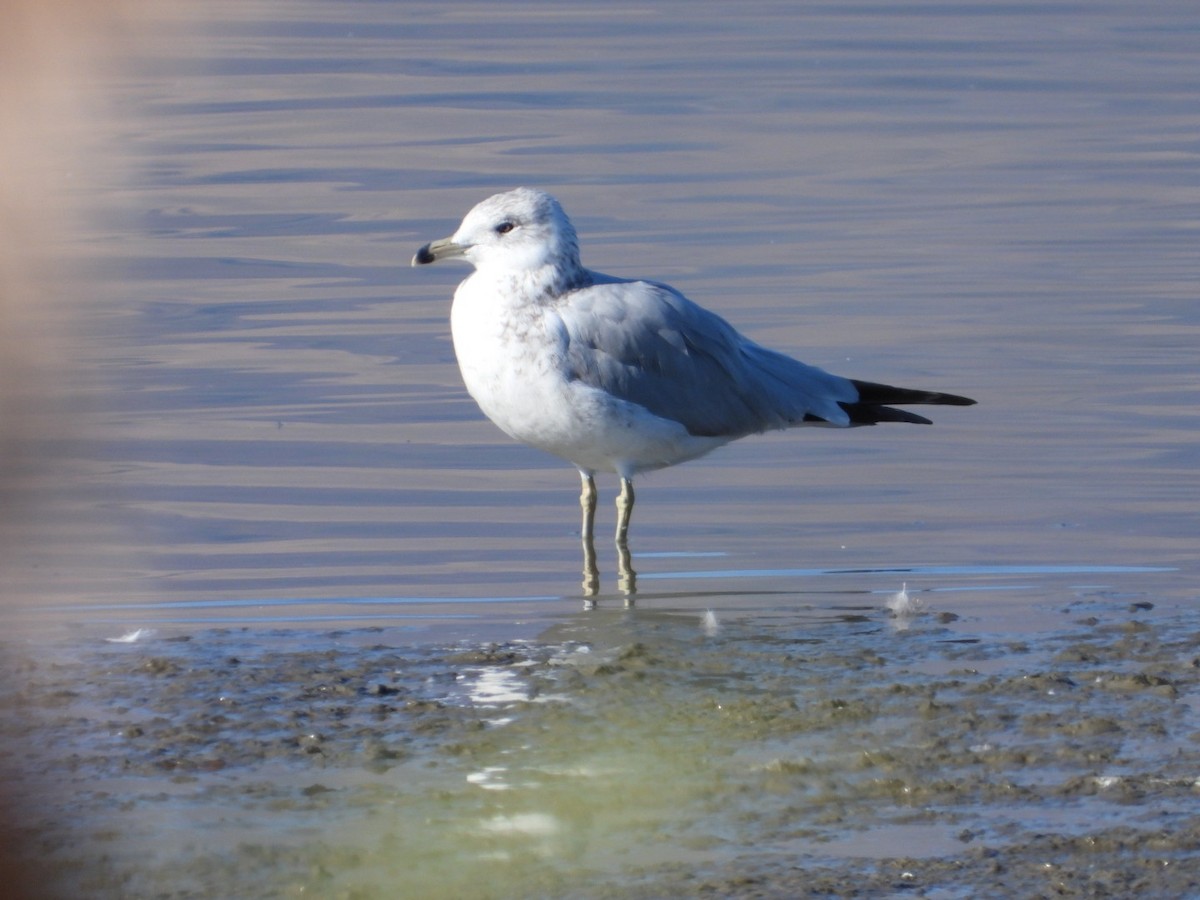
(621, 375)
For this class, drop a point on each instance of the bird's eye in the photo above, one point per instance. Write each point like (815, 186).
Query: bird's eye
(505, 227)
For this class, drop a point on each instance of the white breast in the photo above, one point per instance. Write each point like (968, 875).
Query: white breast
(510, 359)
(512, 362)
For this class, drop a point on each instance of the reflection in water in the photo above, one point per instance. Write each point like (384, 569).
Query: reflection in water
(626, 577)
(587, 501)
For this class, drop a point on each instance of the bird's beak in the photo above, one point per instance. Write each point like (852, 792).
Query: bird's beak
(443, 249)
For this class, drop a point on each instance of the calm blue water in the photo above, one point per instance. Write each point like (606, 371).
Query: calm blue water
(251, 597)
(994, 200)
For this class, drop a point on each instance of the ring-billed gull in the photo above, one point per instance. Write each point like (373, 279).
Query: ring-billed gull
(620, 375)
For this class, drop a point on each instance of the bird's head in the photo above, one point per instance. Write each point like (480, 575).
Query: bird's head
(520, 231)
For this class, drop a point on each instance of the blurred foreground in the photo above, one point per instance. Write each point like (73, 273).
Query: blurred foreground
(56, 129)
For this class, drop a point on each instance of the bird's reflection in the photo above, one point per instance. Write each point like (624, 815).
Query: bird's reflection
(626, 577)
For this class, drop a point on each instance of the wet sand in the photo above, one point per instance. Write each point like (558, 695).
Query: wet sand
(776, 750)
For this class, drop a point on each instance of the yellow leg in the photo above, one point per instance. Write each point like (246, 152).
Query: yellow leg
(624, 510)
(587, 501)
(626, 577)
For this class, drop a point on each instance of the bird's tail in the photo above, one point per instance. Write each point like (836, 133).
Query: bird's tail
(875, 403)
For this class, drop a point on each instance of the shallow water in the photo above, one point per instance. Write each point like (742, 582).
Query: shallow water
(779, 750)
(955, 197)
(997, 201)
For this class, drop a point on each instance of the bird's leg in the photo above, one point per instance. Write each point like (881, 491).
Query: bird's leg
(626, 577)
(587, 500)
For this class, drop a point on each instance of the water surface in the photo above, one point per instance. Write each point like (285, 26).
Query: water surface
(959, 197)
(998, 201)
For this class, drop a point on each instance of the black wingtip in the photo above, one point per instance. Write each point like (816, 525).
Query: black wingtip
(872, 392)
(875, 403)
(872, 414)
(953, 400)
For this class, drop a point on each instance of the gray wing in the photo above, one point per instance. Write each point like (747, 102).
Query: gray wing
(648, 344)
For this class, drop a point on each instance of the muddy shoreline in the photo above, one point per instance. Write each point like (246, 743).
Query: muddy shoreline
(623, 753)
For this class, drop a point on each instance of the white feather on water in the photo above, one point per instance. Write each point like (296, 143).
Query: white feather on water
(132, 637)
(904, 606)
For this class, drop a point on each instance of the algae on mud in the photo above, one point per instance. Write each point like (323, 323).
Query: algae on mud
(622, 753)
